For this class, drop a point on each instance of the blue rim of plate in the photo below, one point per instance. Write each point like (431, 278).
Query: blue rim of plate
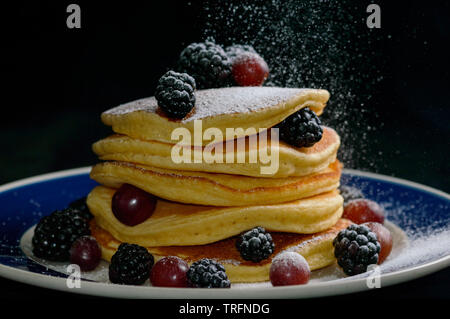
(25, 201)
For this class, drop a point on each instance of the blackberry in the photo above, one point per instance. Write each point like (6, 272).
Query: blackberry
(356, 248)
(350, 193)
(255, 245)
(55, 234)
(301, 129)
(235, 50)
(175, 94)
(208, 63)
(130, 265)
(80, 207)
(207, 273)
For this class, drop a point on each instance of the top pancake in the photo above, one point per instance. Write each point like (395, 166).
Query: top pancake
(233, 107)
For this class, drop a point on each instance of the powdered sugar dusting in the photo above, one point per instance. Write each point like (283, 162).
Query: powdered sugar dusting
(288, 258)
(427, 241)
(146, 104)
(420, 250)
(213, 102)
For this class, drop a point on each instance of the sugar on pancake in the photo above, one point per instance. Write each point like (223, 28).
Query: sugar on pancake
(292, 161)
(316, 248)
(222, 108)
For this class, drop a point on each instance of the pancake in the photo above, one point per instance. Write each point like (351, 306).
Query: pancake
(215, 189)
(233, 107)
(177, 224)
(316, 248)
(292, 161)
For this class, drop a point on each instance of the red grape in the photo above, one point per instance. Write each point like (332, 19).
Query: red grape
(132, 205)
(250, 69)
(289, 268)
(363, 210)
(169, 272)
(86, 253)
(384, 237)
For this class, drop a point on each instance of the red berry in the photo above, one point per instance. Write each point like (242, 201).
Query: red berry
(289, 268)
(131, 205)
(250, 69)
(384, 237)
(363, 210)
(169, 272)
(86, 253)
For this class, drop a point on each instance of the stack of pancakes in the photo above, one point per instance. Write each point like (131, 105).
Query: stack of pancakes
(203, 206)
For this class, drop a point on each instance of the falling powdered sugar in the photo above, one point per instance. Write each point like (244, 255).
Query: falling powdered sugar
(320, 44)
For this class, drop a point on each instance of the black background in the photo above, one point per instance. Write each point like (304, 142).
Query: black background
(59, 80)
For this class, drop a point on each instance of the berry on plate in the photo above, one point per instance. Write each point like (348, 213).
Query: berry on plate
(169, 272)
(363, 210)
(355, 248)
(207, 273)
(289, 268)
(55, 234)
(86, 253)
(130, 265)
(131, 205)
